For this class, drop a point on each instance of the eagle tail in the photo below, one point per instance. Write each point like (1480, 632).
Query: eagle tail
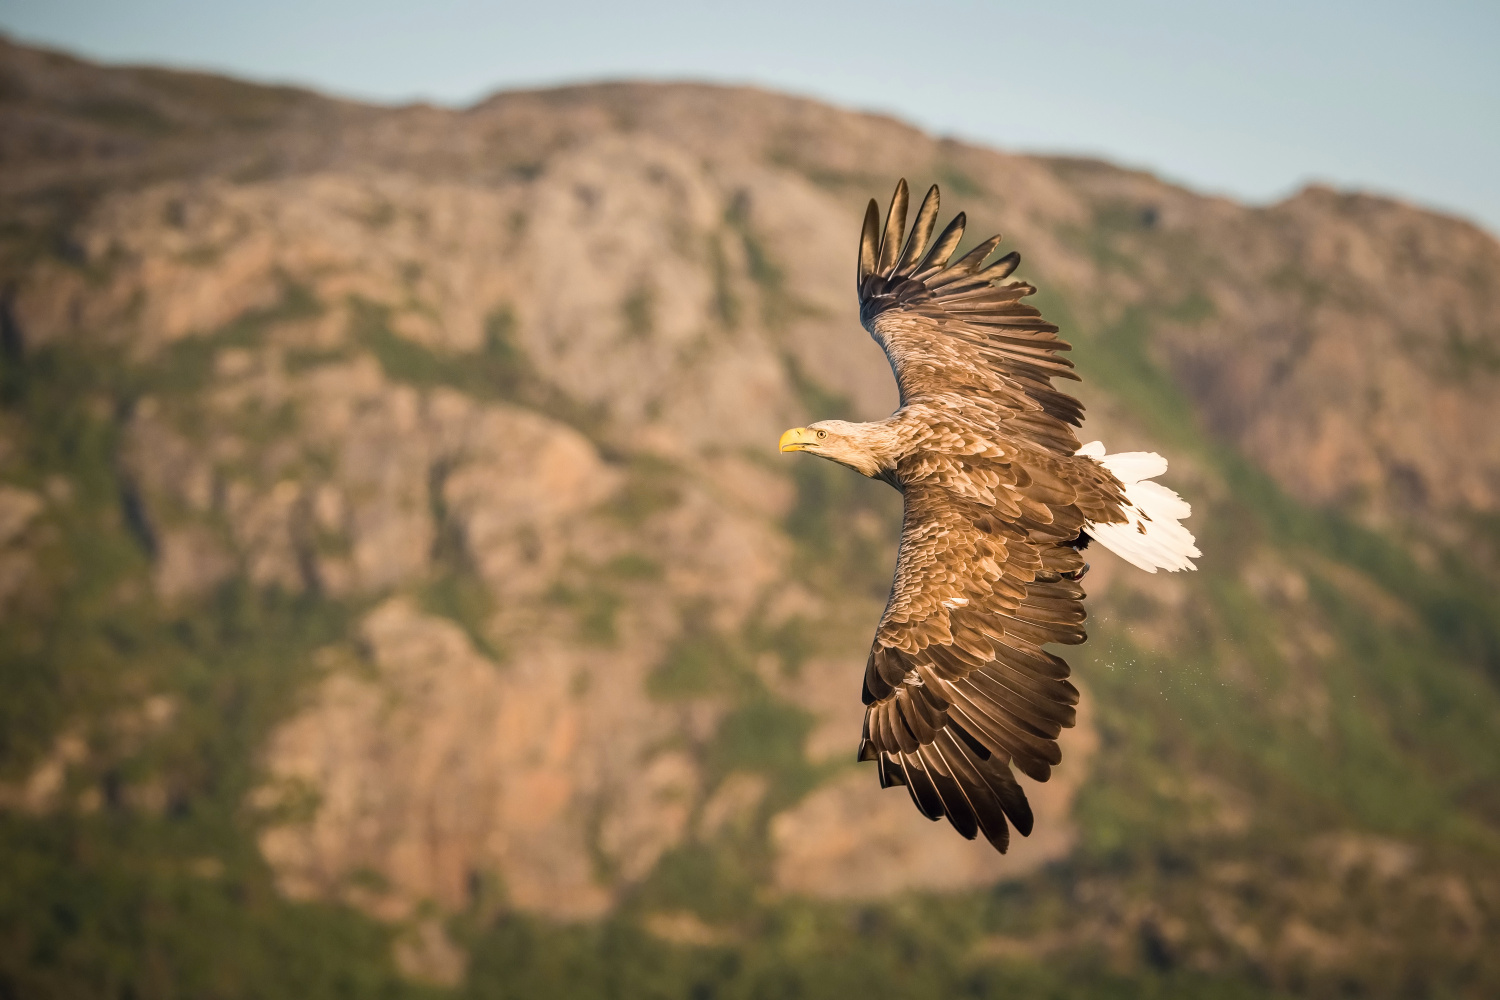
(1152, 536)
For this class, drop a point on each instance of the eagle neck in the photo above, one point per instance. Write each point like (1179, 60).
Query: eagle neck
(882, 444)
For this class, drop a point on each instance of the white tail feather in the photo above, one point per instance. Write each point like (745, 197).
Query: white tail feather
(1151, 538)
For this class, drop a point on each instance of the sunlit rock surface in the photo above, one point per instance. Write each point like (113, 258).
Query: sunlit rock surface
(498, 390)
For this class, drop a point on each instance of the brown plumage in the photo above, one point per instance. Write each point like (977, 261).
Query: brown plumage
(958, 686)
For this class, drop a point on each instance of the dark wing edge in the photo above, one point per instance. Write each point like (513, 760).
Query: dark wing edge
(953, 327)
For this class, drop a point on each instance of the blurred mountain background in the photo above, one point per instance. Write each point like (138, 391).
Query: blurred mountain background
(401, 594)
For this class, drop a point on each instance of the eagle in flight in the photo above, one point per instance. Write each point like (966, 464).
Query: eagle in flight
(999, 502)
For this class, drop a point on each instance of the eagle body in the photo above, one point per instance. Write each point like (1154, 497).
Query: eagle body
(999, 501)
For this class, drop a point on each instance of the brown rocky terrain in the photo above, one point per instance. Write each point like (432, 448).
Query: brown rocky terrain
(504, 383)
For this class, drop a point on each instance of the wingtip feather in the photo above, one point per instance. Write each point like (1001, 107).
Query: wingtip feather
(869, 242)
(921, 232)
(895, 227)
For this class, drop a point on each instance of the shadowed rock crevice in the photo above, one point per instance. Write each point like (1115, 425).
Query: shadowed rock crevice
(423, 461)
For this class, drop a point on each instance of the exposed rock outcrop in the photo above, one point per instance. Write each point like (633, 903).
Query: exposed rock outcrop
(502, 386)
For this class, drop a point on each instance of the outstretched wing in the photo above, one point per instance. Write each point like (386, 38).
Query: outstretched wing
(958, 686)
(955, 334)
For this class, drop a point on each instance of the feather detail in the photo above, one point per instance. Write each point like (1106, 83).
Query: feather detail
(869, 243)
(1151, 535)
(955, 803)
(965, 266)
(923, 792)
(969, 773)
(895, 225)
(1004, 267)
(921, 232)
(937, 257)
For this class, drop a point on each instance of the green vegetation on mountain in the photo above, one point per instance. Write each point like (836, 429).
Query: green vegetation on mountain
(1296, 788)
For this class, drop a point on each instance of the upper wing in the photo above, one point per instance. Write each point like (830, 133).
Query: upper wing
(954, 336)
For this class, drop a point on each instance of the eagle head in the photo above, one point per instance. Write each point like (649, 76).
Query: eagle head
(838, 441)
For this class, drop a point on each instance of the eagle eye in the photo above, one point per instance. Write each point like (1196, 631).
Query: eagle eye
(822, 435)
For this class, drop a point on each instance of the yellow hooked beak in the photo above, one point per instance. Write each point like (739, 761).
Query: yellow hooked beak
(798, 439)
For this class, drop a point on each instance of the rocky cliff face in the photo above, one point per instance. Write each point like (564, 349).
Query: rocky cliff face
(499, 389)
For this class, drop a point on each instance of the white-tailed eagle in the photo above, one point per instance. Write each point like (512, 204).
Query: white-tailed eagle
(999, 502)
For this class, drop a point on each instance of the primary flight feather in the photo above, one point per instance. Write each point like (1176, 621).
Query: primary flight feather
(999, 503)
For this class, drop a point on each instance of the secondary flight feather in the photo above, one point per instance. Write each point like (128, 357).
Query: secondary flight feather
(1000, 501)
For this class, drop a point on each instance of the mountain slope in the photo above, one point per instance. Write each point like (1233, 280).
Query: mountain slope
(399, 578)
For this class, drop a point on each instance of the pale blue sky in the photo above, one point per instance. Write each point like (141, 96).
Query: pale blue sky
(1247, 99)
